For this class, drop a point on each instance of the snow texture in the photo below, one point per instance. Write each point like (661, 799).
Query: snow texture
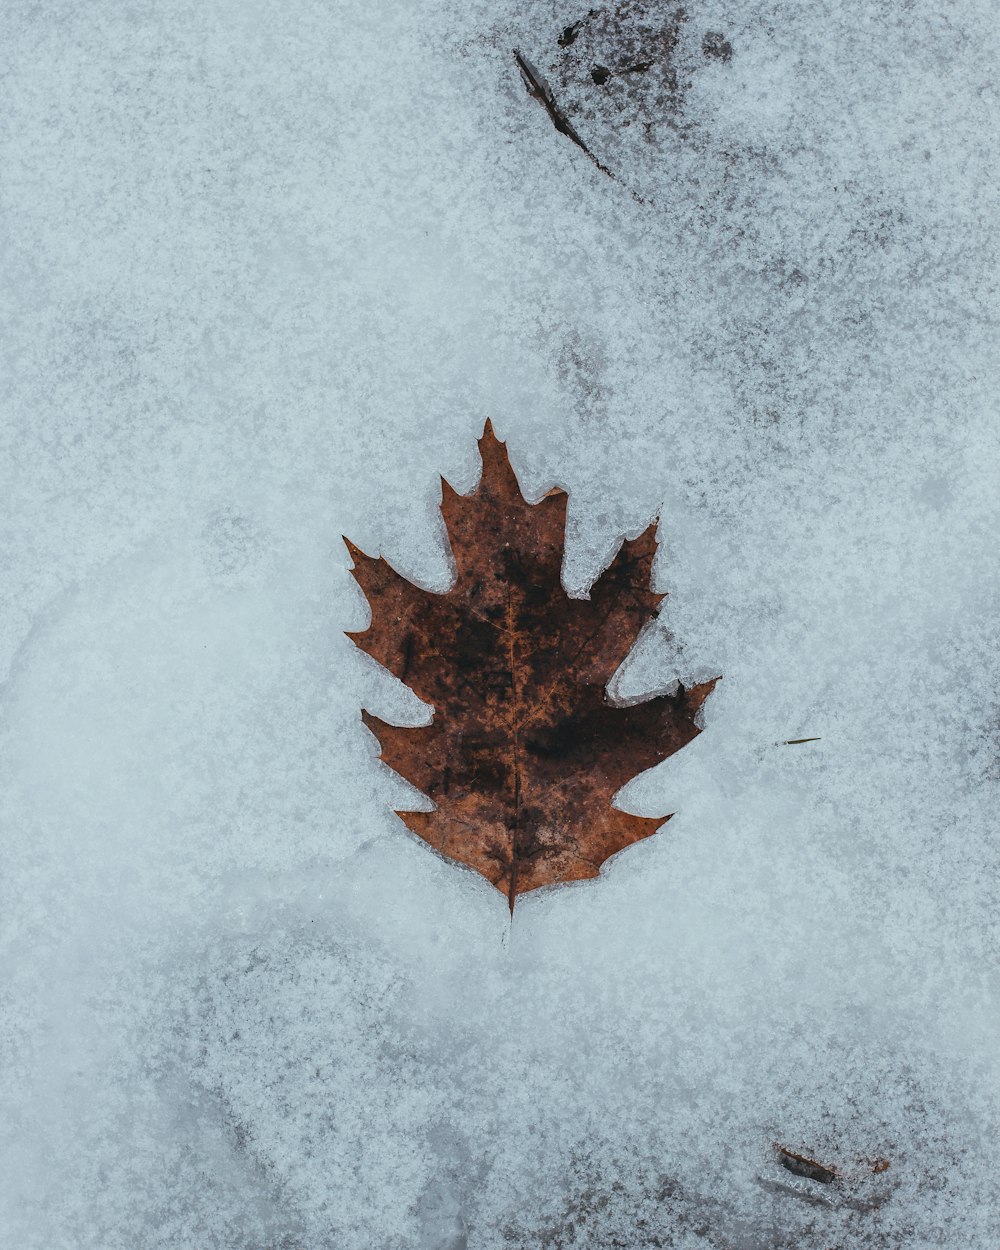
(267, 268)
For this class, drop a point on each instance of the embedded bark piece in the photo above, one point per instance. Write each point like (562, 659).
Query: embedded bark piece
(802, 1165)
(525, 752)
(853, 1187)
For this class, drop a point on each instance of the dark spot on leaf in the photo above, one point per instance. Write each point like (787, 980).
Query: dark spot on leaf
(558, 741)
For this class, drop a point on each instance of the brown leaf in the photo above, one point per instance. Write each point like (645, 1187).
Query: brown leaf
(524, 753)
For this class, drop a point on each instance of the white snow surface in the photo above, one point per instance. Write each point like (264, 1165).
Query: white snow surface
(267, 269)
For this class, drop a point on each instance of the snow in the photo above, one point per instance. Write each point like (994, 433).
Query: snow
(267, 270)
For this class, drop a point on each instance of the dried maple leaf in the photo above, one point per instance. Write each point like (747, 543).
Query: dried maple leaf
(524, 753)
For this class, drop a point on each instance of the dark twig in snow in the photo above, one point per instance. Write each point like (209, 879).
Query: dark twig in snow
(540, 90)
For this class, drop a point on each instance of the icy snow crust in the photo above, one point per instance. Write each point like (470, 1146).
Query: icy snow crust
(268, 267)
